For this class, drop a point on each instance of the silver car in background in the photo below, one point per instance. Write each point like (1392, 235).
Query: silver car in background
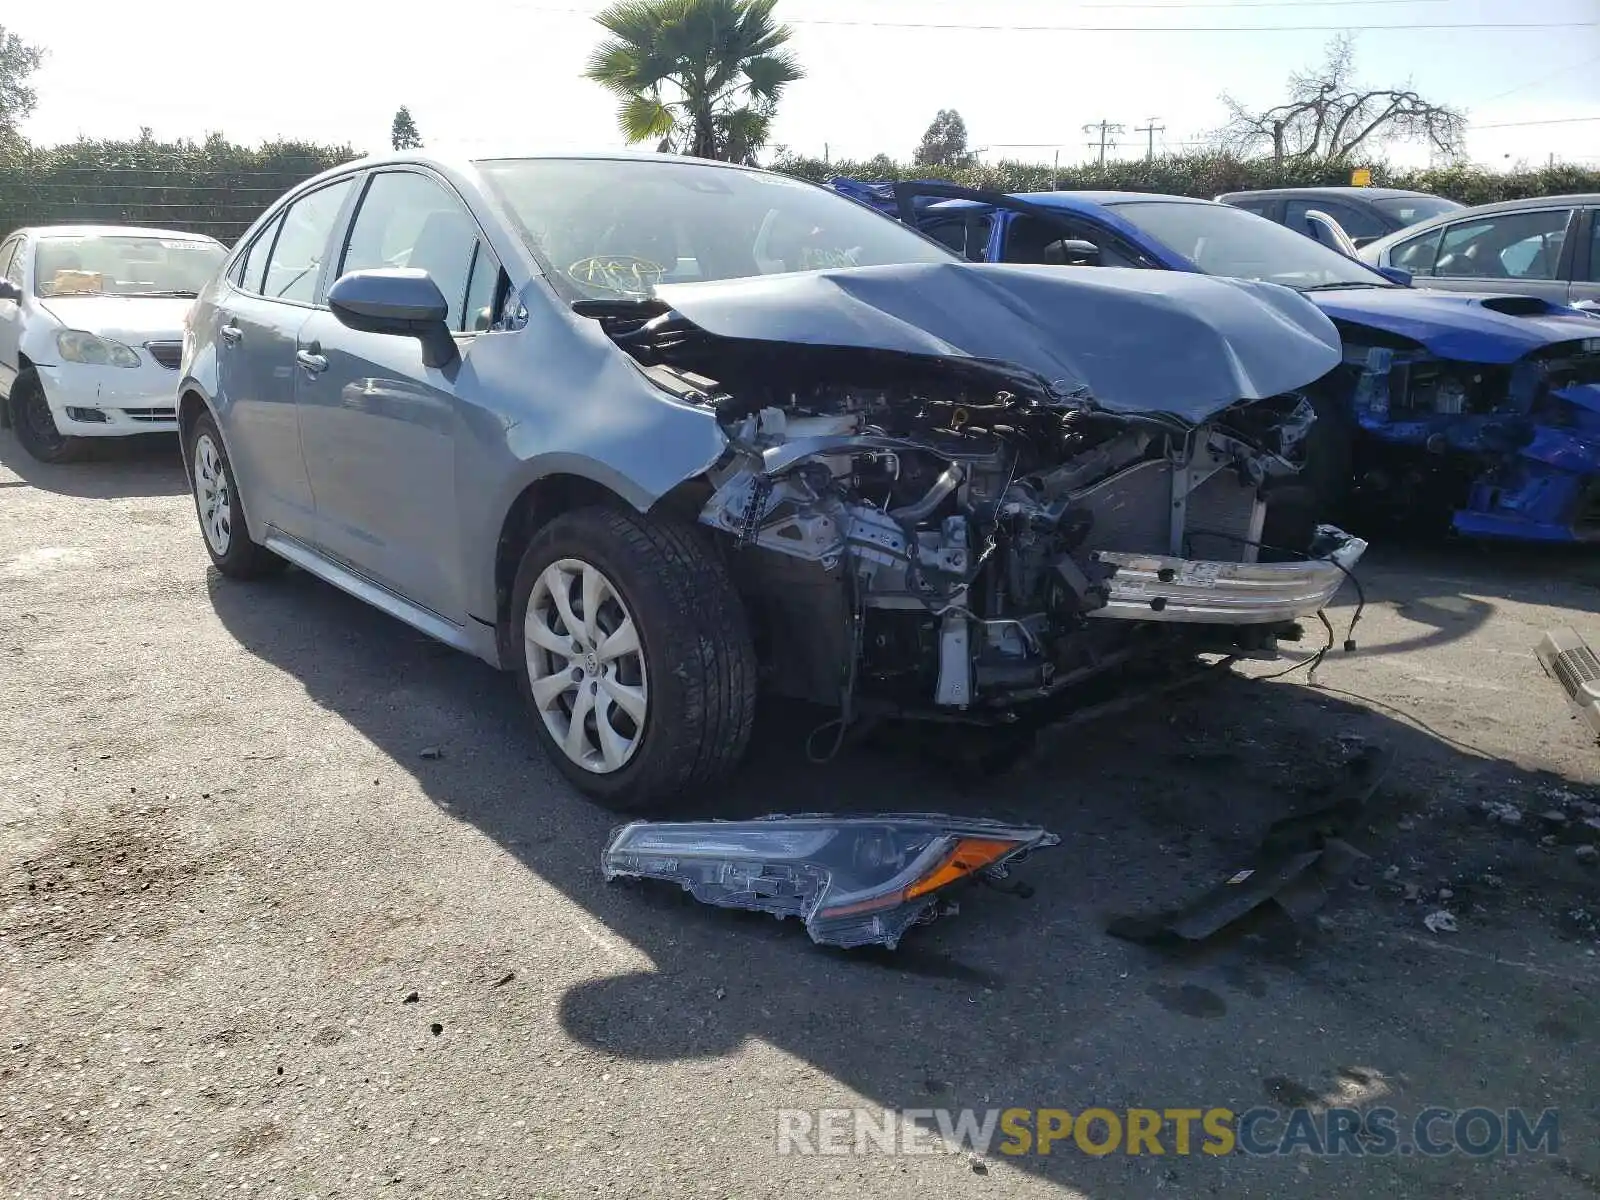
(649, 431)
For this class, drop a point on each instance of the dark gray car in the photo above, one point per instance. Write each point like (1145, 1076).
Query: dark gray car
(1364, 213)
(650, 431)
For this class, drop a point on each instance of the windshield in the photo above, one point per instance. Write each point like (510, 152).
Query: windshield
(1223, 240)
(619, 227)
(1408, 210)
(121, 265)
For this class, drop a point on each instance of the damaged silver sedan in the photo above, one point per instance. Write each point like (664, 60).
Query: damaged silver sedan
(652, 432)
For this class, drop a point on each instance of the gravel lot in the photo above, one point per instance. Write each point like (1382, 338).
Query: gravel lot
(255, 943)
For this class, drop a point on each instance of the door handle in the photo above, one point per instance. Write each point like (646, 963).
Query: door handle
(315, 363)
(231, 334)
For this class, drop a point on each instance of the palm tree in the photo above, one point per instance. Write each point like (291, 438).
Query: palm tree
(700, 77)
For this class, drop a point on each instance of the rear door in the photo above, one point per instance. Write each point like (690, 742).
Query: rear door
(271, 294)
(1528, 252)
(378, 425)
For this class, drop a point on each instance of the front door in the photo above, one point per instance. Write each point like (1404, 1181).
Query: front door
(11, 264)
(379, 427)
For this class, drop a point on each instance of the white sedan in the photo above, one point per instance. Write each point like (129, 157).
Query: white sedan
(91, 330)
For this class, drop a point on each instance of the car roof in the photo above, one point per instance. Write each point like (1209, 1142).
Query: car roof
(1524, 202)
(47, 231)
(1343, 191)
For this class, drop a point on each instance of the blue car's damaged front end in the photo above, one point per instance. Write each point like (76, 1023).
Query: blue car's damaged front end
(1496, 396)
(1482, 411)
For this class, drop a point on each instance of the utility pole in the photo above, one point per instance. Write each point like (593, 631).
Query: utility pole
(1152, 129)
(1106, 129)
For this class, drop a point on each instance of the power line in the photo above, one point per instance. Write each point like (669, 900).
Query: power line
(995, 27)
(1523, 124)
(1543, 79)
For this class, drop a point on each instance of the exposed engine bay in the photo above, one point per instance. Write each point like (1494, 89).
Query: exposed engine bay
(955, 536)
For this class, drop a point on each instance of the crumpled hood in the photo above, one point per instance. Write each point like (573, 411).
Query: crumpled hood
(130, 319)
(1458, 325)
(1140, 341)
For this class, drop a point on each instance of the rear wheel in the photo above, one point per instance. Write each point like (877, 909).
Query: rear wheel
(221, 509)
(635, 658)
(35, 426)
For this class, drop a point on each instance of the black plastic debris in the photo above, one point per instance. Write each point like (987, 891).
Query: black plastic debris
(1302, 859)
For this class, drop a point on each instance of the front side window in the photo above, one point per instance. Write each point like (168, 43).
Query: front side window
(123, 265)
(296, 255)
(408, 220)
(6, 252)
(619, 227)
(1522, 245)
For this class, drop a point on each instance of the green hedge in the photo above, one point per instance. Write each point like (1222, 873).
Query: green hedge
(211, 187)
(1209, 175)
(219, 188)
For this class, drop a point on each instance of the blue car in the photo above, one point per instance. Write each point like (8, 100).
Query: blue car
(1481, 410)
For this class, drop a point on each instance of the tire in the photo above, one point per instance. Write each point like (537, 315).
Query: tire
(35, 426)
(223, 525)
(678, 709)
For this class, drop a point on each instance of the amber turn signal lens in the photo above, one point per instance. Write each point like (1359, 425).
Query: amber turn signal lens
(969, 855)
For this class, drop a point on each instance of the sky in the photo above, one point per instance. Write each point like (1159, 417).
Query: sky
(508, 74)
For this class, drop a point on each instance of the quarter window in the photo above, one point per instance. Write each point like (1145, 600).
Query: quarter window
(408, 220)
(19, 263)
(296, 258)
(254, 263)
(1418, 255)
(1521, 245)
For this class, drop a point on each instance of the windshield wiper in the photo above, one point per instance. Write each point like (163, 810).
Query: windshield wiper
(176, 295)
(1334, 287)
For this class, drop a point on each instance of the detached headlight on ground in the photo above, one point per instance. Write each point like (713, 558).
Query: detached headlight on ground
(854, 881)
(80, 346)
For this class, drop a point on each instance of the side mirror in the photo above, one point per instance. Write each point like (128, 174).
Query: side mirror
(399, 301)
(10, 291)
(1395, 275)
(1072, 252)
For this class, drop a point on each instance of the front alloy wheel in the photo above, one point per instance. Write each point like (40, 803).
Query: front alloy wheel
(586, 670)
(221, 509)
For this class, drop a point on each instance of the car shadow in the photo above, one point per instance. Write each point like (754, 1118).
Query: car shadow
(143, 464)
(1452, 588)
(1015, 1000)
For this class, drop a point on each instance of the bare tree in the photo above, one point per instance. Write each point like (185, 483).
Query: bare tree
(1330, 116)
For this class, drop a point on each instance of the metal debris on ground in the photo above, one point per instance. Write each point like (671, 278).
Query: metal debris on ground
(1301, 860)
(853, 881)
(1567, 659)
(1440, 922)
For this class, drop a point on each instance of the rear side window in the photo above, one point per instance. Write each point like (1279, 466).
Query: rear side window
(1357, 222)
(1593, 273)
(254, 264)
(296, 259)
(409, 220)
(1417, 255)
